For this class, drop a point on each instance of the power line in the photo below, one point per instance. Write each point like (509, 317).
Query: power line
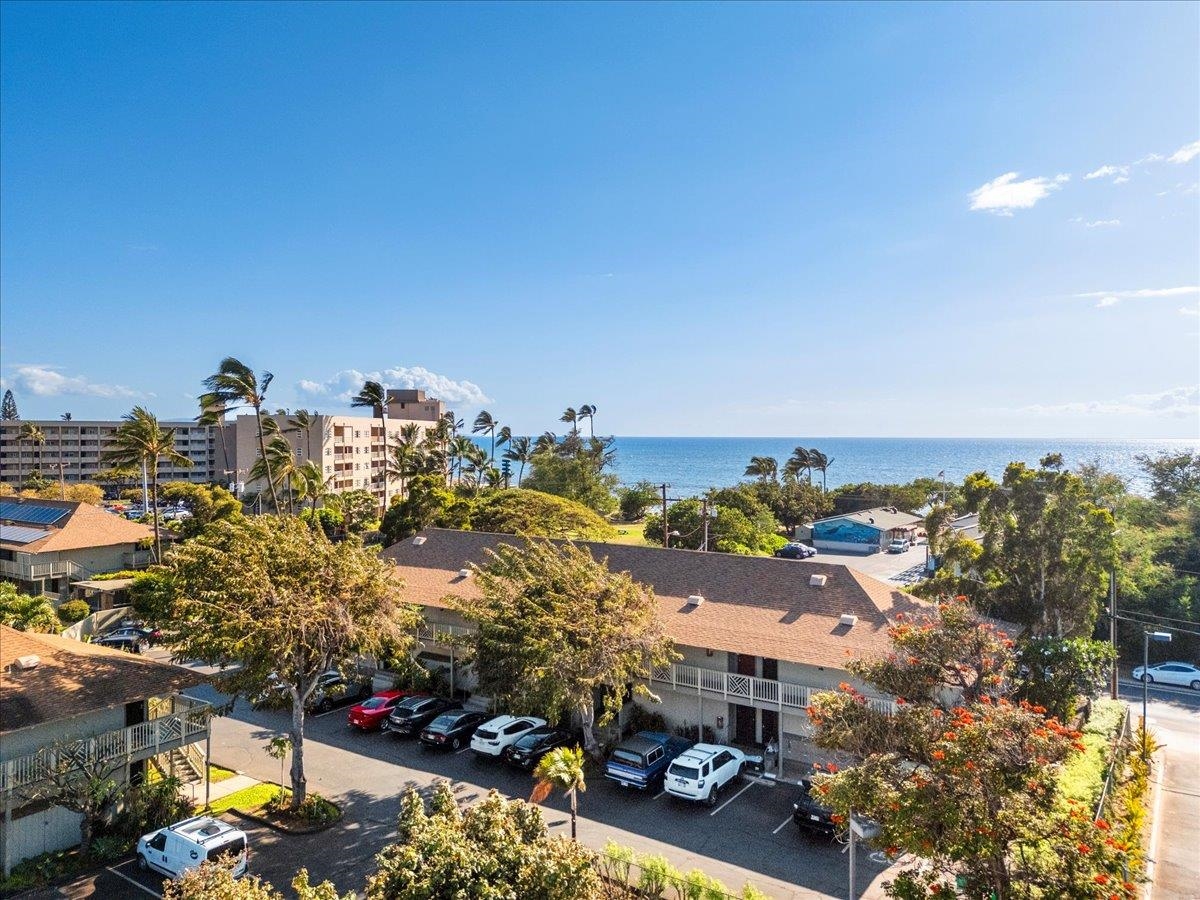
(1138, 612)
(1144, 623)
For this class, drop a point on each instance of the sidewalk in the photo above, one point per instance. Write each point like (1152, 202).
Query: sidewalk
(1175, 804)
(220, 789)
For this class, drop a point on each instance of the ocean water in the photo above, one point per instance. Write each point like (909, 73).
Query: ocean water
(692, 465)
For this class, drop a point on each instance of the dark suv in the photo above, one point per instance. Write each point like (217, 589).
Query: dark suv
(810, 814)
(530, 748)
(414, 713)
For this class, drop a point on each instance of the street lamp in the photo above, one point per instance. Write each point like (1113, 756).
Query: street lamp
(1162, 637)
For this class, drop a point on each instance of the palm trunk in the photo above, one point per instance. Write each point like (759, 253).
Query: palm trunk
(492, 458)
(383, 422)
(520, 473)
(154, 500)
(587, 715)
(262, 447)
(574, 810)
(299, 782)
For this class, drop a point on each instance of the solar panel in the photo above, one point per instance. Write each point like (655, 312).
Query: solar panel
(32, 513)
(18, 534)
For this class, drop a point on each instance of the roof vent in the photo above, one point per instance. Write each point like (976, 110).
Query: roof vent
(817, 580)
(419, 540)
(24, 663)
(848, 620)
(695, 599)
(464, 573)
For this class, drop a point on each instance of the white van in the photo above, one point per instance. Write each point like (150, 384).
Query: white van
(182, 846)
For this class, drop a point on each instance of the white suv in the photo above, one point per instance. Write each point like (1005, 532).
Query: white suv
(492, 737)
(701, 772)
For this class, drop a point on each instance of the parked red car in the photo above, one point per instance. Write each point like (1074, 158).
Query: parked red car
(370, 714)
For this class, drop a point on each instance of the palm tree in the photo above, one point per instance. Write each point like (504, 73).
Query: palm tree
(212, 414)
(485, 423)
(569, 415)
(66, 417)
(278, 467)
(547, 442)
(561, 768)
(313, 486)
(799, 461)
(407, 455)
(141, 441)
(303, 420)
(764, 468)
(503, 436)
(234, 385)
(588, 411)
(28, 434)
(459, 450)
(374, 396)
(520, 449)
(821, 463)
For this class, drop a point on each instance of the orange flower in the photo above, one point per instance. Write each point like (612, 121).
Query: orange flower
(938, 754)
(1102, 825)
(832, 769)
(1101, 878)
(843, 686)
(1084, 849)
(970, 766)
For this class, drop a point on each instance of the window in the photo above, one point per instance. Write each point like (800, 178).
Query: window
(722, 759)
(159, 842)
(704, 770)
(655, 755)
(516, 726)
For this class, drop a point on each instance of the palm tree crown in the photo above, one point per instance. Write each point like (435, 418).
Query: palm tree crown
(141, 441)
(233, 385)
(374, 396)
(520, 449)
(561, 768)
(764, 468)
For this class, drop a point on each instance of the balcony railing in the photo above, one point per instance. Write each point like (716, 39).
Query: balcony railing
(739, 688)
(125, 745)
(30, 571)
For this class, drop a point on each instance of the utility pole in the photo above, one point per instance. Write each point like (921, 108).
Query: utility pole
(704, 519)
(1112, 629)
(666, 526)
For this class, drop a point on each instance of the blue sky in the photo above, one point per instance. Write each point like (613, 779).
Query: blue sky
(703, 219)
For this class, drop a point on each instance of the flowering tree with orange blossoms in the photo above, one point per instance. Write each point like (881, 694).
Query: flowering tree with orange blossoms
(961, 776)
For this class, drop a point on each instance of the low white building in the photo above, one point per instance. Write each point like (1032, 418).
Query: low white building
(865, 531)
(757, 635)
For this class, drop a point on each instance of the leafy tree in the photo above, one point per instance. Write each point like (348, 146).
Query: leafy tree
(235, 385)
(1174, 477)
(140, 441)
(1053, 672)
(764, 468)
(496, 848)
(634, 501)
(274, 597)
(962, 778)
(8, 408)
(81, 783)
(792, 501)
(561, 768)
(81, 492)
(73, 611)
(360, 509)
(555, 628)
(206, 503)
(574, 477)
(374, 396)
(26, 613)
(213, 881)
(730, 531)
(428, 503)
(850, 498)
(1047, 551)
(522, 511)
(329, 520)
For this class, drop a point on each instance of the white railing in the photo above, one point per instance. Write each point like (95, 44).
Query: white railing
(746, 688)
(28, 571)
(437, 633)
(140, 741)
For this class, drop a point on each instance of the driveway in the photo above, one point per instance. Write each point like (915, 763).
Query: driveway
(896, 568)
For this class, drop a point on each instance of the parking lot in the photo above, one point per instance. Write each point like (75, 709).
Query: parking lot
(749, 836)
(896, 568)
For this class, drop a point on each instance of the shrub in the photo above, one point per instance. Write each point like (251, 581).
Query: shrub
(634, 501)
(317, 810)
(73, 610)
(148, 807)
(642, 719)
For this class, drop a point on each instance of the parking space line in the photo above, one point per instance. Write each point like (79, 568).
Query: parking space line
(659, 794)
(462, 751)
(784, 825)
(734, 797)
(134, 883)
(326, 713)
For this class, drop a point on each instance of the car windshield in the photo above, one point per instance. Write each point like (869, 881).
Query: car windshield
(626, 758)
(375, 703)
(689, 772)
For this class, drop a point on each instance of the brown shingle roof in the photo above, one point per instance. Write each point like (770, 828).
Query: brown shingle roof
(73, 677)
(752, 605)
(84, 526)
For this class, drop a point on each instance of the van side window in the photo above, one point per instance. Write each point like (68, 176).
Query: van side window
(159, 842)
(655, 755)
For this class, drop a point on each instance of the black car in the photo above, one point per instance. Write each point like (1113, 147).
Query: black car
(528, 750)
(810, 814)
(414, 713)
(334, 689)
(130, 643)
(453, 729)
(795, 551)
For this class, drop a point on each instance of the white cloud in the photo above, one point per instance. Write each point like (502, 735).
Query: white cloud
(1004, 194)
(47, 381)
(1112, 298)
(1190, 311)
(1186, 153)
(1177, 402)
(1096, 223)
(348, 382)
(1117, 173)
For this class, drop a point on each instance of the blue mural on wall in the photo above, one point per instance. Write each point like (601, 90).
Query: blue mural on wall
(846, 531)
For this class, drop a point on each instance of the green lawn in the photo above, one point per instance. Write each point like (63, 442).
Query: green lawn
(247, 800)
(219, 773)
(629, 533)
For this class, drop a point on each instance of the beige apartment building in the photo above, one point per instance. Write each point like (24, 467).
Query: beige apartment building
(73, 450)
(349, 448)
